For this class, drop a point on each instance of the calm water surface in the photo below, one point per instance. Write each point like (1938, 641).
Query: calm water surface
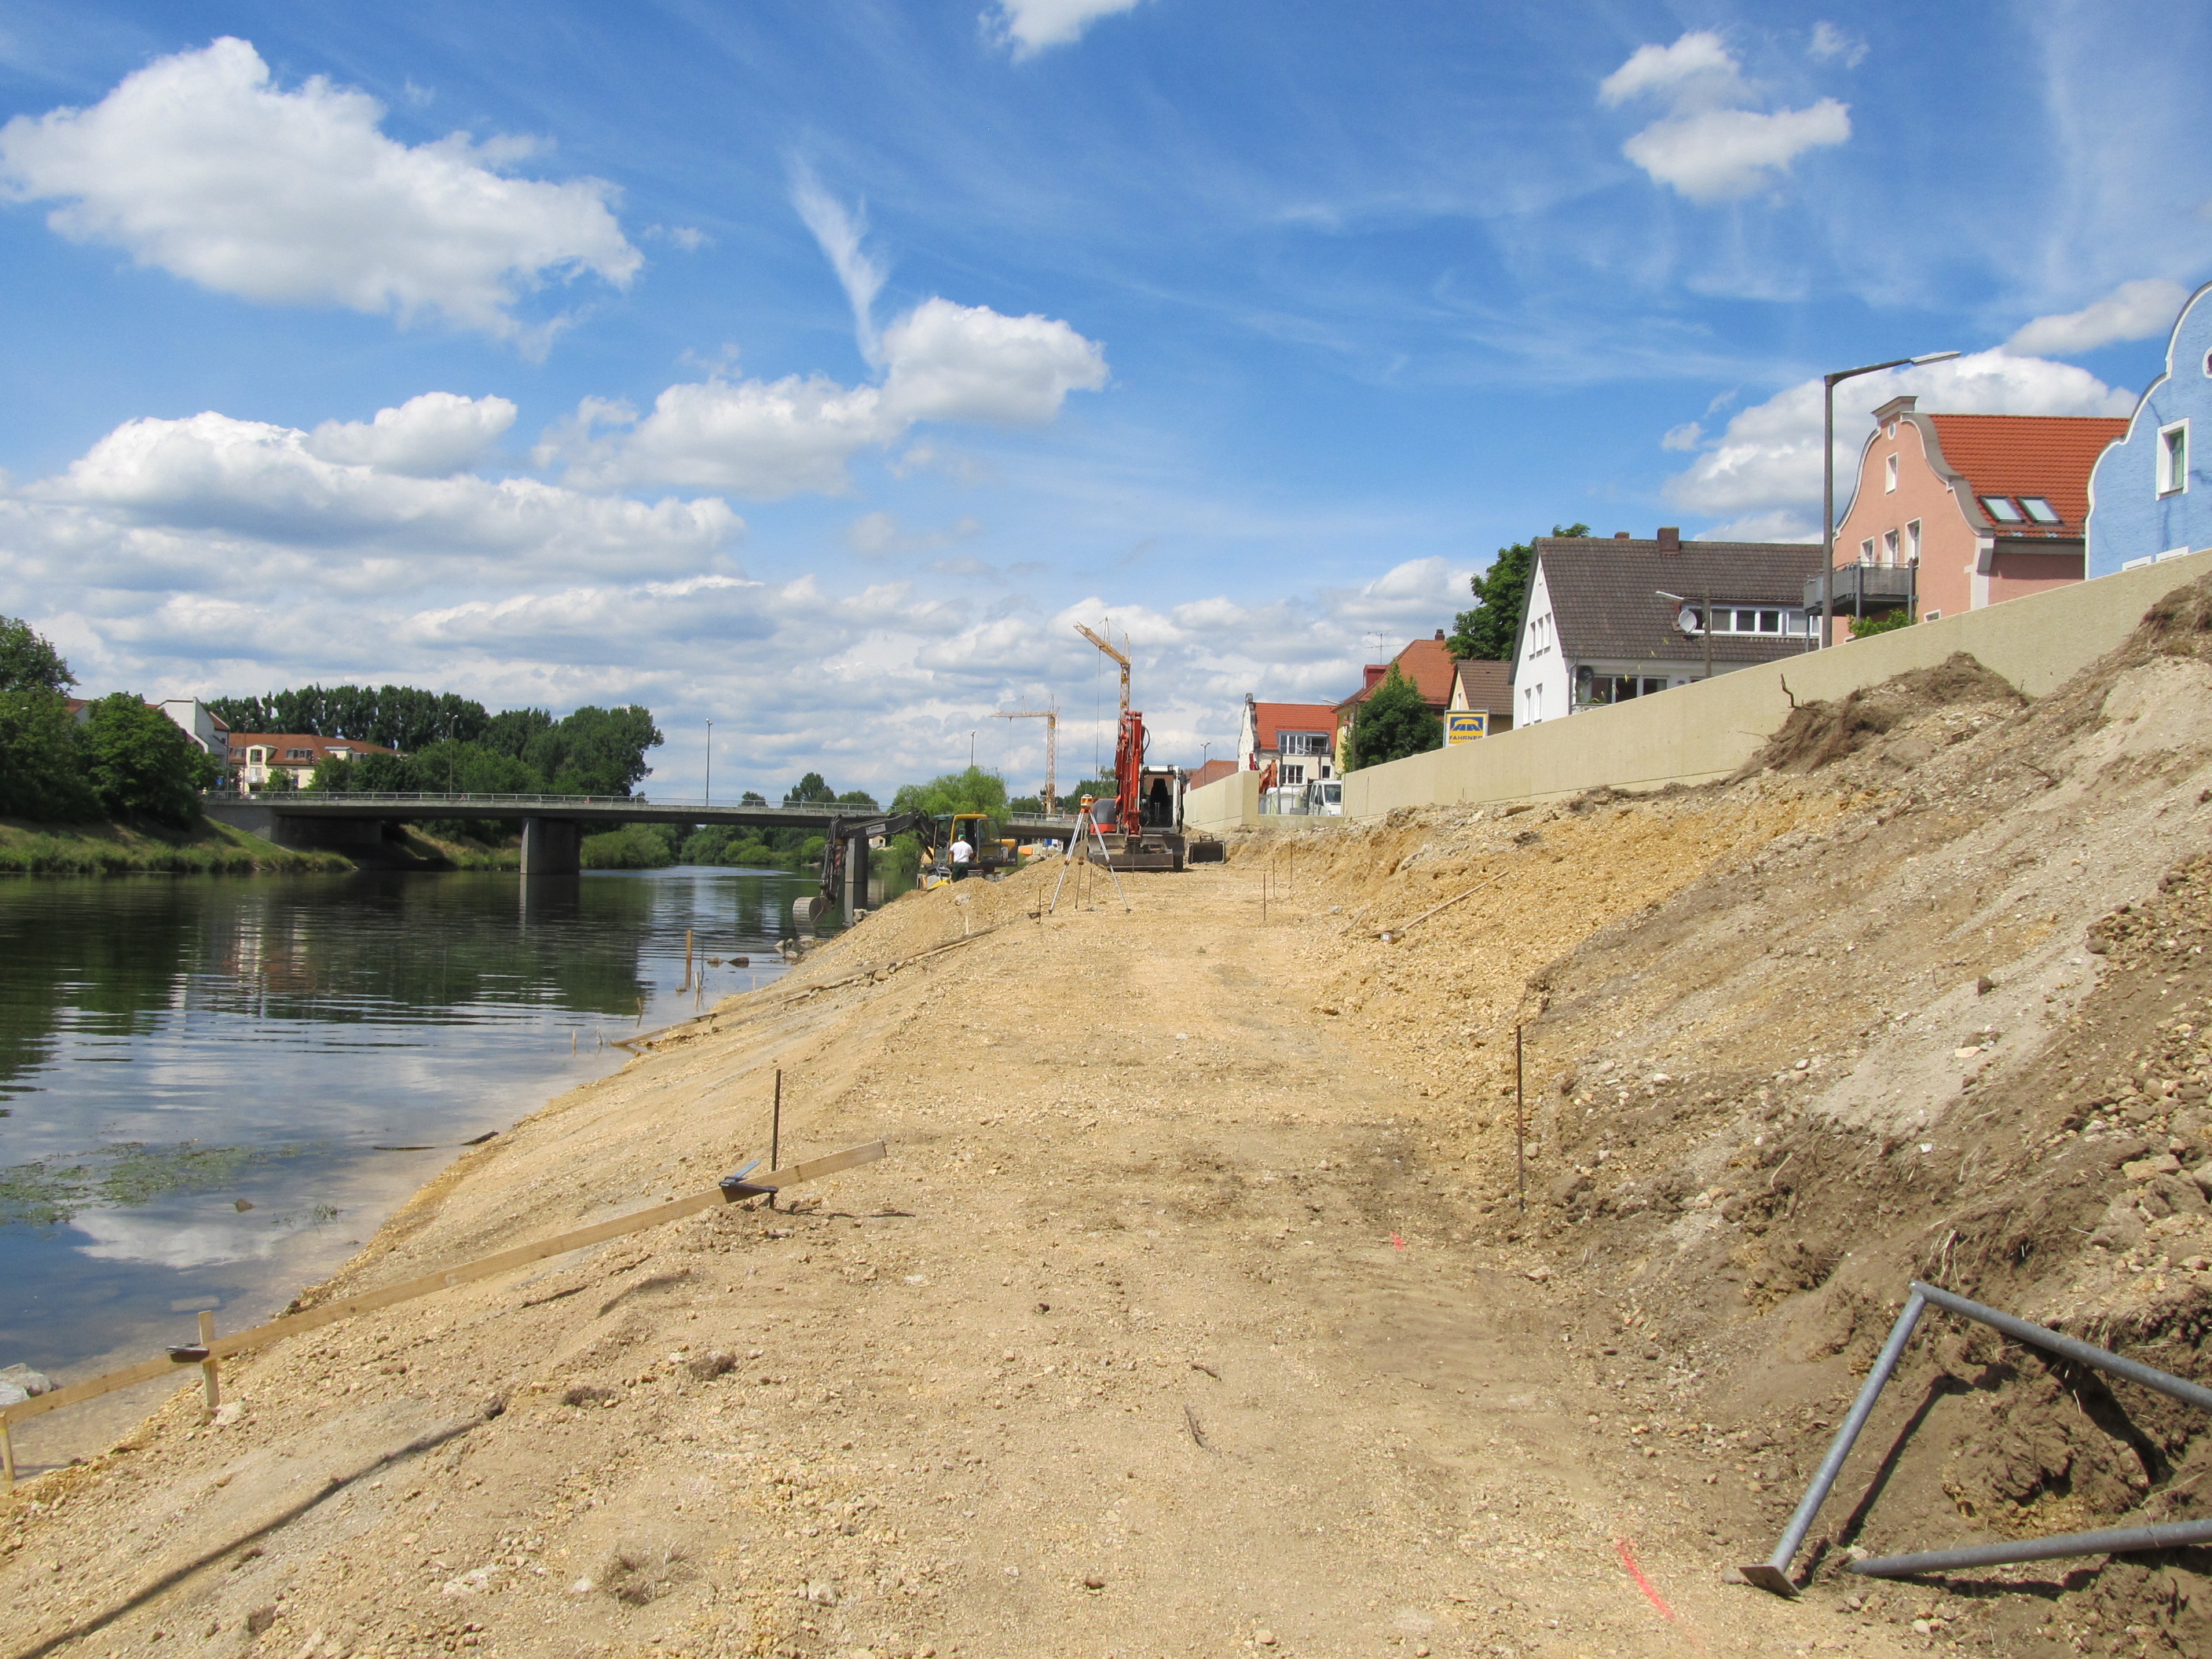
(198, 1074)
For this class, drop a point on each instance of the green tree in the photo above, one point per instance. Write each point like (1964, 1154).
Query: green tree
(811, 790)
(1887, 622)
(595, 751)
(513, 730)
(41, 759)
(1491, 631)
(1392, 723)
(752, 798)
(28, 662)
(973, 790)
(141, 765)
(858, 797)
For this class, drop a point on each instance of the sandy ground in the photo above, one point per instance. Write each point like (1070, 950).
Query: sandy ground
(1156, 1333)
(1194, 1311)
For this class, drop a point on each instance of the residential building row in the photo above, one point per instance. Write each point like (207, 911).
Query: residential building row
(252, 760)
(1947, 512)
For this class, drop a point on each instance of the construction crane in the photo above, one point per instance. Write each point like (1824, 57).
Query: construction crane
(1118, 656)
(1051, 719)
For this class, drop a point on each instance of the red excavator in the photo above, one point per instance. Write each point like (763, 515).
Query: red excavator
(1142, 825)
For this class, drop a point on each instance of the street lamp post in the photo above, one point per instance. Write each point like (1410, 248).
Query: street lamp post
(710, 762)
(1828, 385)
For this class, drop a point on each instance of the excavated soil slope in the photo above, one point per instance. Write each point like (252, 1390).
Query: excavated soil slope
(1194, 1310)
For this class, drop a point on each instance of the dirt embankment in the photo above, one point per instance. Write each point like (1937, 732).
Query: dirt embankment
(1195, 1312)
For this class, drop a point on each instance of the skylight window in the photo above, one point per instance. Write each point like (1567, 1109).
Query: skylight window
(2001, 508)
(2038, 510)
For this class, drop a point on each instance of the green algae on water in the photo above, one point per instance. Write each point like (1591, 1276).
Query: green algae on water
(53, 1190)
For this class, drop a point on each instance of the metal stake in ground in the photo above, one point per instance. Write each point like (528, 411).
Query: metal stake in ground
(210, 1383)
(1520, 1130)
(776, 1130)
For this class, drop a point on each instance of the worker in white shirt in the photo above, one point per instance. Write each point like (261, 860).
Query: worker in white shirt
(962, 855)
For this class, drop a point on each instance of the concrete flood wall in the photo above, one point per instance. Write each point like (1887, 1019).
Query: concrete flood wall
(1695, 733)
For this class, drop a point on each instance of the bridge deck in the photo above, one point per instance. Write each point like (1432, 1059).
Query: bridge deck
(595, 810)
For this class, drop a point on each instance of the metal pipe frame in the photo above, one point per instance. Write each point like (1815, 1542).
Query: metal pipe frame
(1773, 1573)
(2172, 1535)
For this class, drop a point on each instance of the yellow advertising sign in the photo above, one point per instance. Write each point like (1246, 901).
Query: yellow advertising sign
(1465, 726)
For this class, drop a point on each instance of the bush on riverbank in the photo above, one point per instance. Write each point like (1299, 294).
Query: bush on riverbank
(116, 850)
(633, 847)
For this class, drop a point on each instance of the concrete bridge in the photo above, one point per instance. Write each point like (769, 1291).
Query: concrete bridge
(553, 826)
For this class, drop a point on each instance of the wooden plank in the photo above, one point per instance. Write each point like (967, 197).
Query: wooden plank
(329, 1313)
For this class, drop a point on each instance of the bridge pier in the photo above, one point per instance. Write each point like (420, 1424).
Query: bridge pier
(552, 847)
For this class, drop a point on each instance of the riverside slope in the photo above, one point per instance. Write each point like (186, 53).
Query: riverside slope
(1159, 1332)
(1192, 1313)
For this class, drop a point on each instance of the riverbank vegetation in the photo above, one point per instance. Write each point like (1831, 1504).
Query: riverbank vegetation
(28, 848)
(122, 760)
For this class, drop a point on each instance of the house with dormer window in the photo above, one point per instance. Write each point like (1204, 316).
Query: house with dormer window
(1954, 512)
(1297, 739)
(2150, 496)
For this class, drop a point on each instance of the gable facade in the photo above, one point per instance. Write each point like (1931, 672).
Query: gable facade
(2150, 496)
(1952, 513)
(1297, 739)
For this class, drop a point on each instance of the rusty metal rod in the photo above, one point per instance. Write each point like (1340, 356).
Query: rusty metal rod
(2114, 1541)
(1773, 1573)
(2067, 1348)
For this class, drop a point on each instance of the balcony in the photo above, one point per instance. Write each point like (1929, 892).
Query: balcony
(1862, 588)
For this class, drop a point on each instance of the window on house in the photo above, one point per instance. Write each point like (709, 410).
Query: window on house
(1889, 473)
(1293, 772)
(2001, 508)
(1889, 547)
(2038, 510)
(1913, 543)
(299, 754)
(2173, 458)
(1866, 551)
(1890, 431)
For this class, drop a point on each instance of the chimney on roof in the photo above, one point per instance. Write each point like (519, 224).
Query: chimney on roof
(1670, 538)
(1375, 672)
(1620, 535)
(1440, 633)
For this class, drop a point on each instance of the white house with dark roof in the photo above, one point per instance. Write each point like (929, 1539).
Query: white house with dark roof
(1610, 618)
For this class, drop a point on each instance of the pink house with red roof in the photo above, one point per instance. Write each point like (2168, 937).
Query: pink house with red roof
(1955, 512)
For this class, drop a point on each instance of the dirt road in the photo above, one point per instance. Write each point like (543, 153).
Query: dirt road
(1161, 1331)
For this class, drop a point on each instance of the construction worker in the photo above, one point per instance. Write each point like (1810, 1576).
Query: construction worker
(962, 855)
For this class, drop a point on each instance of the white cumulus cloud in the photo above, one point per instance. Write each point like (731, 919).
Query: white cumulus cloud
(2133, 311)
(1709, 147)
(200, 166)
(1696, 68)
(955, 362)
(1031, 26)
(155, 493)
(1719, 154)
(432, 436)
(1762, 472)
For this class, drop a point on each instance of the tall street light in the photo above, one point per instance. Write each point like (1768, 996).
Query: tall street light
(710, 762)
(1829, 383)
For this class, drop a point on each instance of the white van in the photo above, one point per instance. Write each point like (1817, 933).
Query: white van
(1325, 798)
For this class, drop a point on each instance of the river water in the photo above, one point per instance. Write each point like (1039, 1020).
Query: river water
(201, 1077)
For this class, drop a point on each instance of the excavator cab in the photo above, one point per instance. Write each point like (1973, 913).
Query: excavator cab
(989, 852)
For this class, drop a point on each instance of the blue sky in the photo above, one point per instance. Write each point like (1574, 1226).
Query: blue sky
(812, 367)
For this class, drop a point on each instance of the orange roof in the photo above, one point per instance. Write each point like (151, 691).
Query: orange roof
(1274, 718)
(1428, 663)
(318, 747)
(1212, 771)
(2045, 455)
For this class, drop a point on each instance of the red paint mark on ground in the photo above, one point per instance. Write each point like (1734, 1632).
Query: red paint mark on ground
(1628, 1560)
(1396, 1242)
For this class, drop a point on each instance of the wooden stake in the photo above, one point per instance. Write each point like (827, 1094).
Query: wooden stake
(775, 1129)
(687, 959)
(7, 1457)
(1520, 1129)
(210, 1382)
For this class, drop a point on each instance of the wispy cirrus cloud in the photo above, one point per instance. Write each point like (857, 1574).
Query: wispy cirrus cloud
(1029, 27)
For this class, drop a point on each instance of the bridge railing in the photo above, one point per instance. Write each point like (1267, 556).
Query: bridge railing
(813, 814)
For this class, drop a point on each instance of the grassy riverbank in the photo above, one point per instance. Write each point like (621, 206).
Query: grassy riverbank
(103, 849)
